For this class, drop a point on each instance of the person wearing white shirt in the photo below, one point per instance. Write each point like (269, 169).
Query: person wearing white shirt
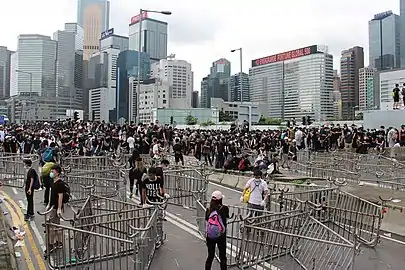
(131, 143)
(259, 192)
(2, 134)
(299, 138)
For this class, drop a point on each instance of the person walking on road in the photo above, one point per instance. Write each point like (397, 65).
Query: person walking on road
(137, 173)
(257, 191)
(31, 183)
(216, 216)
(56, 204)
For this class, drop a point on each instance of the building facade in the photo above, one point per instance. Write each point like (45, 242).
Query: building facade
(366, 88)
(385, 41)
(127, 67)
(113, 41)
(36, 65)
(5, 64)
(179, 116)
(337, 97)
(235, 87)
(101, 102)
(154, 37)
(216, 84)
(295, 83)
(386, 82)
(351, 60)
(195, 102)
(240, 111)
(94, 17)
(178, 75)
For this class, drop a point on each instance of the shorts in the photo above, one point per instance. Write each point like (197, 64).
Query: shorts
(53, 217)
(396, 98)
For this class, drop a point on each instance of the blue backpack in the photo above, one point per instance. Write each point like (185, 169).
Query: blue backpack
(47, 156)
(215, 226)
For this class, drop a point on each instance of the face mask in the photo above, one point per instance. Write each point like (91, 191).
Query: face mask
(51, 175)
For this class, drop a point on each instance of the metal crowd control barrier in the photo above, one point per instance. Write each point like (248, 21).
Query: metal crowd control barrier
(12, 169)
(185, 186)
(105, 234)
(109, 183)
(344, 213)
(310, 244)
(94, 163)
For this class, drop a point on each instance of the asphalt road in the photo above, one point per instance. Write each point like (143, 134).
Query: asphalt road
(184, 248)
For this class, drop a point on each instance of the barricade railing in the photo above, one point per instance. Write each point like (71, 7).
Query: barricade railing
(13, 172)
(94, 163)
(346, 214)
(107, 183)
(311, 244)
(184, 186)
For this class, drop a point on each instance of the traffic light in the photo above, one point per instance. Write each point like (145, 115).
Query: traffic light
(304, 121)
(171, 120)
(309, 120)
(76, 116)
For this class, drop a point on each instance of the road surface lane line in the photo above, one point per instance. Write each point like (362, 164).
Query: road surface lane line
(15, 191)
(193, 230)
(28, 233)
(16, 222)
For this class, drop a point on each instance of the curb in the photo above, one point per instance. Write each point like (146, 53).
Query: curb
(9, 257)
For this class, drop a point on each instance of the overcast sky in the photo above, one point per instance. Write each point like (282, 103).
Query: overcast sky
(204, 31)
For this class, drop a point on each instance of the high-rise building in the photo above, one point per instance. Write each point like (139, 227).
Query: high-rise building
(195, 99)
(295, 83)
(79, 34)
(5, 62)
(154, 37)
(36, 65)
(366, 88)
(113, 41)
(337, 97)
(384, 41)
(216, 84)
(127, 67)
(351, 60)
(402, 26)
(178, 74)
(235, 87)
(93, 16)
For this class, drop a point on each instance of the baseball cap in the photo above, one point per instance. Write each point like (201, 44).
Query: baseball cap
(217, 195)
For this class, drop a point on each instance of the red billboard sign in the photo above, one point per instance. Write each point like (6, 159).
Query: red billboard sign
(138, 17)
(285, 56)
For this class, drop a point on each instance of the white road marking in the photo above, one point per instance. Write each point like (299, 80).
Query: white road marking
(38, 235)
(22, 205)
(15, 191)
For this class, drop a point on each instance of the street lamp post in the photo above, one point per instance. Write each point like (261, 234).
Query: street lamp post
(30, 97)
(138, 87)
(241, 71)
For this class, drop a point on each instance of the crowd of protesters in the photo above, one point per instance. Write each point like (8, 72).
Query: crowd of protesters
(234, 149)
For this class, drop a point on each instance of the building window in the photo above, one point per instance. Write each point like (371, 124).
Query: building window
(164, 101)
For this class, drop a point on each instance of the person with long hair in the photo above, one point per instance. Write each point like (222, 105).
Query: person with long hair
(216, 216)
(136, 172)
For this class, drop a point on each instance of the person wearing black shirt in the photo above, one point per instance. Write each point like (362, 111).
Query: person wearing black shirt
(223, 211)
(152, 187)
(178, 152)
(137, 172)
(395, 95)
(29, 191)
(56, 204)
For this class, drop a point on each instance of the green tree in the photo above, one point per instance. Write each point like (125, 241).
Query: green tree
(207, 123)
(269, 121)
(191, 120)
(224, 116)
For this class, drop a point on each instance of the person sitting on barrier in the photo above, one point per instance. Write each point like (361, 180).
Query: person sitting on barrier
(216, 216)
(255, 192)
(56, 203)
(152, 187)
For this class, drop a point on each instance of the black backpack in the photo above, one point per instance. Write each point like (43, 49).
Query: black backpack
(66, 192)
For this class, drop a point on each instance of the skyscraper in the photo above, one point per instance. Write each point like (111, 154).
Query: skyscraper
(154, 37)
(5, 62)
(295, 83)
(351, 61)
(235, 85)
(35, 61)
(179, 76)
(216, 84)
(402, 25)
(384, 41)
(366, 88)
(93, 16)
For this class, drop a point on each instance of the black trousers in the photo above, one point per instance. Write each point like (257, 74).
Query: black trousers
(46, 180)
(221, 243)
(30, 201)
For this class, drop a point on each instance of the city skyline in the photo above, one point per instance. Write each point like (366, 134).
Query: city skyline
(208, 35)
